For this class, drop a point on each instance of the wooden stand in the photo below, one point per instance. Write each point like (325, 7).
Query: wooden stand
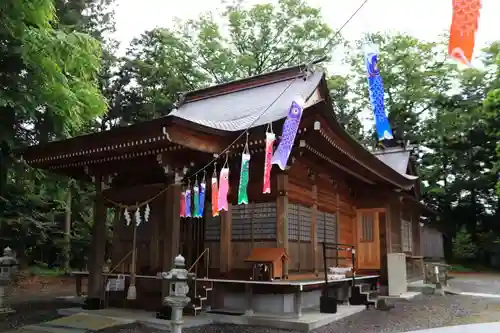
(268, 263)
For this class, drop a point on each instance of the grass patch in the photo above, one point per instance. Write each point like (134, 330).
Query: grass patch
(471, 268)
(461, 269)
(46, 271)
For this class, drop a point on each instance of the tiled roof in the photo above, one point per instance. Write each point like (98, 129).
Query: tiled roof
(397, 158)
(237, 111)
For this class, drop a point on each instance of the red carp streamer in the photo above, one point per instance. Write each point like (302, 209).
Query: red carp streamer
(463, 30)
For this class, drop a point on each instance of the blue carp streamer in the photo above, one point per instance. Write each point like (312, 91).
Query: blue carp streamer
(376, 90)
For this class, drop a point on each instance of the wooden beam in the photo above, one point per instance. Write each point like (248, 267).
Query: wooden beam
(226, 232)
(194, 140)
(282, 215)
(154, 236)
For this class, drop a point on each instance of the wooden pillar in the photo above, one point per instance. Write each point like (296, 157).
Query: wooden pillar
(155, 238)
(337, 225)
(172, 224)
(282, 215)
(314, 227)
(226, 233)
(388, 227)
(171, 234)
(117, 251)
(98, 247)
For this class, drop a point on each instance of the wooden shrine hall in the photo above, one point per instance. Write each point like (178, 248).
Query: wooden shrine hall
(333, 190)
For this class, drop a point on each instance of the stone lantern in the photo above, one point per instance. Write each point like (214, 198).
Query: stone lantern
(8, 270)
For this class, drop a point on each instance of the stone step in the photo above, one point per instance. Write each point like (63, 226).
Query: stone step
(371, 296)
(426, 289)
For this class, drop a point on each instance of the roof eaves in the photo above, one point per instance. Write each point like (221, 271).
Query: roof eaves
(243, 84)
(395, 178)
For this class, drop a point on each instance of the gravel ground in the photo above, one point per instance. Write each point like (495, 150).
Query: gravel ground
(419, 313)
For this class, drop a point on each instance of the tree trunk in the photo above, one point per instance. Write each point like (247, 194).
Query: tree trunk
(67, 233)
(3, 170)
(448, 247)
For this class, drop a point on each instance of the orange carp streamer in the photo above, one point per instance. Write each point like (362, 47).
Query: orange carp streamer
(464, 25)
(215, 196)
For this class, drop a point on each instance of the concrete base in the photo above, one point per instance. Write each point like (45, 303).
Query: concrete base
(276, 304)
(421, 287)
(80, 322)
(310, 319)
(138, 316)
(405, 296)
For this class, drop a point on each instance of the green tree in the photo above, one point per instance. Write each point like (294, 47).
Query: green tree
(452, 117)
(414, 76)
(492, 102)
(461, 137)
(50, 89)
(197, 53)
(346, 113)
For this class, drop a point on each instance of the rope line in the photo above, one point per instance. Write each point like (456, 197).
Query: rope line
(226, 150)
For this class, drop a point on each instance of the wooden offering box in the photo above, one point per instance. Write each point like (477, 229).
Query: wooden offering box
(268, 263)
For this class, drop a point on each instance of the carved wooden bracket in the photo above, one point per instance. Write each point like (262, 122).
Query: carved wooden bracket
(178, 177)
(166, 167)
(89, 173)
(311, 174)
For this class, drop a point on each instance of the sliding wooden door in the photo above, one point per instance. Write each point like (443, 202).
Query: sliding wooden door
(368, 239)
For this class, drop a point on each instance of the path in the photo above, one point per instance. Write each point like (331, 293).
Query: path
(477, 283)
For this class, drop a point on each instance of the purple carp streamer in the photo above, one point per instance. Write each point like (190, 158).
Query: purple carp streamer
(290, 128)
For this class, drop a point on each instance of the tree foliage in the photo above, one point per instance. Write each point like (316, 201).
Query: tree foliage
(200, 52)
(59, 73)
(49, 74)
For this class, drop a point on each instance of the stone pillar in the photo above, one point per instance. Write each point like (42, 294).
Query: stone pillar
(249, 299)
(298, 303)
(97, 249)
(282, 215)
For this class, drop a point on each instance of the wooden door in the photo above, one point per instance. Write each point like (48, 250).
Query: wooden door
(368, 239)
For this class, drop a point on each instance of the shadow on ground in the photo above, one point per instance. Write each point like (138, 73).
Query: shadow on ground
(33, 312)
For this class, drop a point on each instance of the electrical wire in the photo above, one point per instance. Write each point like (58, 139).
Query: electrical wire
(334, 37)
(226, 150)
(284, 90)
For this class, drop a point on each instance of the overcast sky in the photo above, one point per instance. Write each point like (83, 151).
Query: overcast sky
(425, 19)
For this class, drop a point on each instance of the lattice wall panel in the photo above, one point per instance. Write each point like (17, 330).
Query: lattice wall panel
(326, 224)
(299, 222)
(261, 217)
(212, 228)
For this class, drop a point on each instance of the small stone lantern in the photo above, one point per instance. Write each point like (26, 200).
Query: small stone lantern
(8, 270)
(178, 278)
